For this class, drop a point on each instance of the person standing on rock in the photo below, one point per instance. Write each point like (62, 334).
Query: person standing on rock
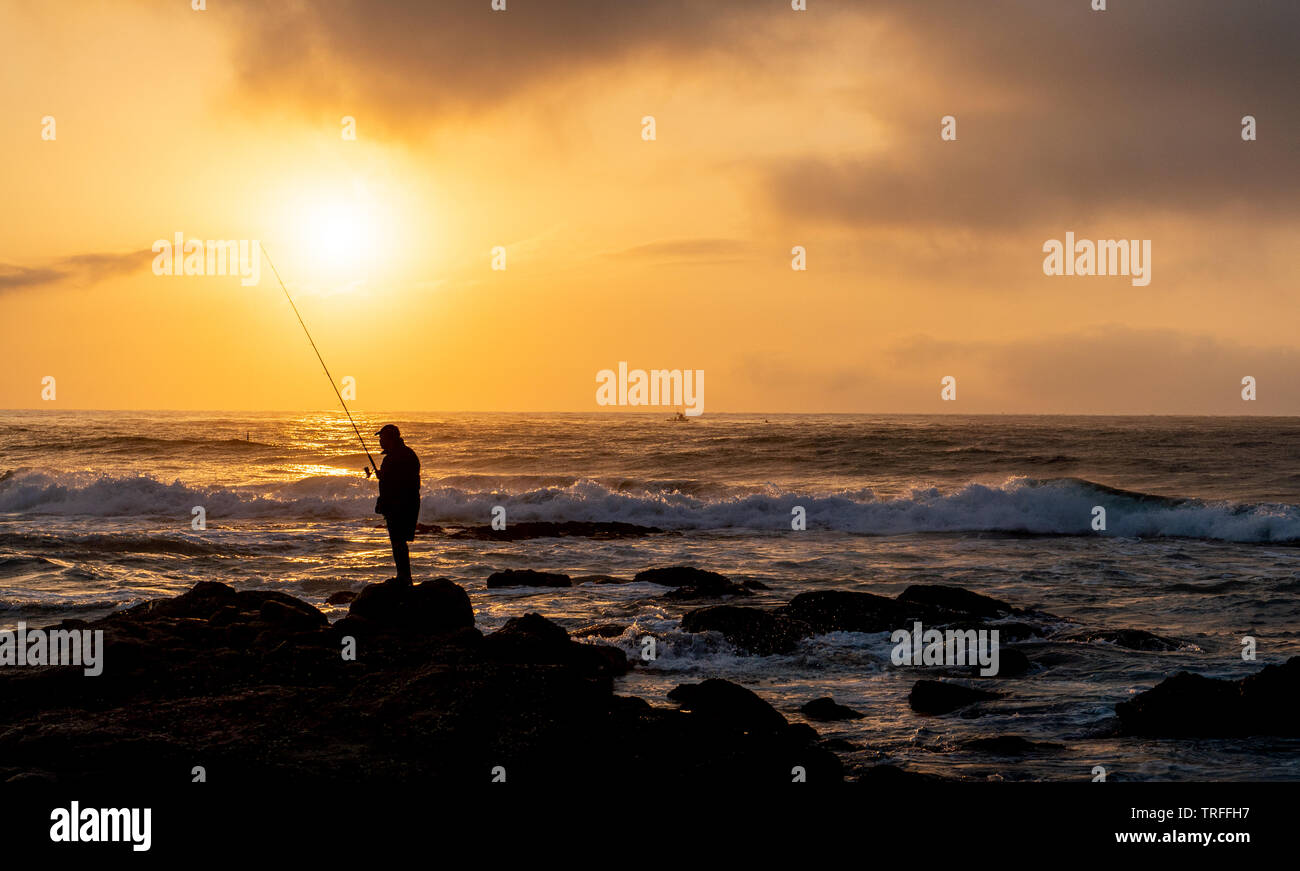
(399, 495)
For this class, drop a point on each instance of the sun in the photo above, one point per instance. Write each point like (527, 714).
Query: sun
(338, 235)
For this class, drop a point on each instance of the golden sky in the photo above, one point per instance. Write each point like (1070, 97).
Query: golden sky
(774, 129)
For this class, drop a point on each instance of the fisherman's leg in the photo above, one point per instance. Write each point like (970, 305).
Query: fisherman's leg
(401, 556)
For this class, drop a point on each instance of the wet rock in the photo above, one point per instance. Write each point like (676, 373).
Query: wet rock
(943, 697)
(255, 694)
(683, 576)
(1011, 663)
(299, 617)
(752, 629)
(955, 599)
(527, 578)
(843, 611)
(341, 597)
(827, 709)
(692, 583)
(431, 606)
(600, 630)
(724, 702)
(535, 640)
(1191, 705)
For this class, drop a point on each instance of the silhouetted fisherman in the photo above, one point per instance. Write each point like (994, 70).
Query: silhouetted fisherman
(399, 495)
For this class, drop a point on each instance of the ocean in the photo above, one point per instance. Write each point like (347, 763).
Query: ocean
(1200, 545)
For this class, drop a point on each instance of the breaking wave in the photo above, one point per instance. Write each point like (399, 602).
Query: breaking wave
(1058, 506)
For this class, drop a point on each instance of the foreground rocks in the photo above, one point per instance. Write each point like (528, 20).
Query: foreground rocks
(691, 583)
(943, 697)
(779, 630)
(527, 578)
(827, 709)
(253, 686)
(1191, 705)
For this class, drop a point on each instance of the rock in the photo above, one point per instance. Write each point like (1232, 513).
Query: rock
(1011, 663)
(431, 606)
(943, 697)
(842, 611)
(527, 578)
(730, 705)
(692, 583)
(1191, 705)
(299, 617)
(1011, 745)
(601, 630)
(535, 640)
(955, 599)
(825, 708)
(752, 629)
(682, 576)
(238, 682)
(341, 597)
(1132, 639)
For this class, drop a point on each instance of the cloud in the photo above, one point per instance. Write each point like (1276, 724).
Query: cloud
(85, 269)
(414, 61)
(686, 251)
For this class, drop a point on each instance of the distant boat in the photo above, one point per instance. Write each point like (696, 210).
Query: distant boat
(679, 417)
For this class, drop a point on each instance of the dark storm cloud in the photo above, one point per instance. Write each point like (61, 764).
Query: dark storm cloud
(80, 268)
(421, 59)
(1064, 114)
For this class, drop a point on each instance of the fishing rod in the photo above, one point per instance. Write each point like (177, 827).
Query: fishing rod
(276, 272)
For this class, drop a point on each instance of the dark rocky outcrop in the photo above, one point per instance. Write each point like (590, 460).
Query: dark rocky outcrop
(692, 583)
(955, 600)
(739, 714)
(341, 597)
(527, 578)
(255, 687)
(1011, 663)
(944, 697)
(600, 630)
(432, 606)
(1191, 705)
(843, 611)
(827, 709)
(753, 629)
